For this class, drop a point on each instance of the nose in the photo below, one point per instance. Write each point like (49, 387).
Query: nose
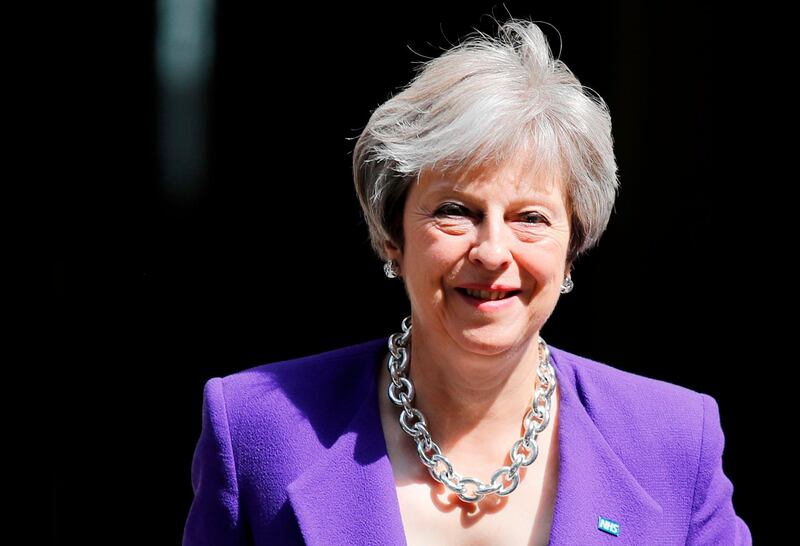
(492, 248)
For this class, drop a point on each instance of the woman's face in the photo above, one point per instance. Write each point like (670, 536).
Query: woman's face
(492, 225)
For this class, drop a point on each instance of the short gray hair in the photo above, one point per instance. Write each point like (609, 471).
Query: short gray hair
(490, 98)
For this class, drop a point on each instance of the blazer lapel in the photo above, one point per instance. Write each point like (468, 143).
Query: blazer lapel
(593, 482)
(348, 496)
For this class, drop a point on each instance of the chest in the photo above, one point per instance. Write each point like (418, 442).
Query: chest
(433, 515)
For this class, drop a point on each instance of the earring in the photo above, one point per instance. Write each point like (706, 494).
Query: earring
(567, 285)
(390, 269)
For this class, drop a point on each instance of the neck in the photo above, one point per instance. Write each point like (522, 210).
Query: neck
(473, 401)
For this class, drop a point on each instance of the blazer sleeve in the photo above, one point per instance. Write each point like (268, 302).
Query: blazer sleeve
(214, 516)
(713, 518)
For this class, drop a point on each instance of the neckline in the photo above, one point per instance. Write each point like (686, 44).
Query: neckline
(382, 359)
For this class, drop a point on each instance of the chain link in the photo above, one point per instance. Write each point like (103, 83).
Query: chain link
(468, 489)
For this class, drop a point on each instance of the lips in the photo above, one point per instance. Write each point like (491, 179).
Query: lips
(475, 293)
(490, 287)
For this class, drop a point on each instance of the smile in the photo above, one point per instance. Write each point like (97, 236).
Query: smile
(488, 301)
(487, 295)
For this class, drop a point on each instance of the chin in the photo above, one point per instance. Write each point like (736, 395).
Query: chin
(487, 342)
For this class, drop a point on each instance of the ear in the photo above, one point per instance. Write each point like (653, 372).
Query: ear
(392, 251)
(395, 254)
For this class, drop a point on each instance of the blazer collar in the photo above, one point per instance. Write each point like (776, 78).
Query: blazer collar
(348, 496)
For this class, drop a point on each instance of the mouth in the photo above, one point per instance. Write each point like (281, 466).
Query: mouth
(483, 295)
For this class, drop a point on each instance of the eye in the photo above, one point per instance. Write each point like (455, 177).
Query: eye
(535, 217)
(450, 209)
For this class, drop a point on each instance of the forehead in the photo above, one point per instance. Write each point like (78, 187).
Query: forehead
(513, 179)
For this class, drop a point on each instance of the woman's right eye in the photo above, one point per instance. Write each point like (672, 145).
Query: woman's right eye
(450, 209)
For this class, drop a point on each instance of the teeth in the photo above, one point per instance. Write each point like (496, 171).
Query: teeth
(484, 295)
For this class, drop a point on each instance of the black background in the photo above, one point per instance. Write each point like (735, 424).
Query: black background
(148, 295)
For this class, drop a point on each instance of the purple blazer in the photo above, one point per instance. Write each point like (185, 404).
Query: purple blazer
(293, 453)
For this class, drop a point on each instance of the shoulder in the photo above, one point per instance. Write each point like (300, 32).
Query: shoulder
(600, 384)
(330, 364)
(668, 436)
(300, 383)
(650, 423)
(303, 399)
(280, 416)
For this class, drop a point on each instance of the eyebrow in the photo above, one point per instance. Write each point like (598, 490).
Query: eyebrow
(442, 188)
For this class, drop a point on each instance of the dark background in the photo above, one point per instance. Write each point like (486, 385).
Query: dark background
(156, 281)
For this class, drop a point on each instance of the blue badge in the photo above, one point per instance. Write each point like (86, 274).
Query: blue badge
(609, 526)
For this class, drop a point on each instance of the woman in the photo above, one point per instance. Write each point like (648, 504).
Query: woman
(481, 183)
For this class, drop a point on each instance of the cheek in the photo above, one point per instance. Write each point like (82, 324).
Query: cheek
(544, 263)
(433, 263)
(437, 249)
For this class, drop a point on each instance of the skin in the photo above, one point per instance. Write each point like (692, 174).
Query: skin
(474, 373)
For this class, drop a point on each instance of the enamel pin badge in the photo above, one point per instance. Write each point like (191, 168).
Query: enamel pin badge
(609, 526)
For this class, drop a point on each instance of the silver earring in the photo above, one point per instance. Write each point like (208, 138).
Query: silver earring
(567, 285)
(390, 269)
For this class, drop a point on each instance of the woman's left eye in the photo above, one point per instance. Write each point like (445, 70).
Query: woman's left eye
(533, 217)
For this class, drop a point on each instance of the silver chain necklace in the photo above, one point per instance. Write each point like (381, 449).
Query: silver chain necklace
(401, 392)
